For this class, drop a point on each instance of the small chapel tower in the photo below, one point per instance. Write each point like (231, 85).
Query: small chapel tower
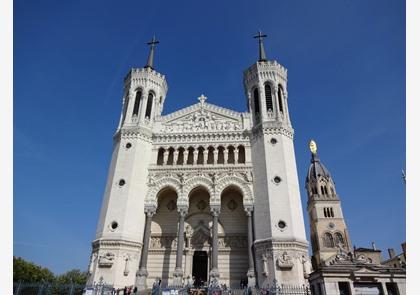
(328, 229)
(145, 91)
(119, 236)
(280, 241)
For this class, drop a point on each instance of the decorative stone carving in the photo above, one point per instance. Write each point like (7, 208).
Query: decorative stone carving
(201, 120)
(106, 260)
(284, 261)
(201, 205)
(127, 258)
(232, 205)
(171, 205)
(93, 258)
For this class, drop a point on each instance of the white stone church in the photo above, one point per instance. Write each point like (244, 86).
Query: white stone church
(204, 192)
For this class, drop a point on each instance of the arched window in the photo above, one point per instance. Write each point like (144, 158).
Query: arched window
(256, 103)
(200, 156)
(280, 97)
(328, 240)
(268, 98)
(190, 159)
(180, 159)
(325, 212)
(137, 103)
(332, 212)
(170, 156)
(210, 157)
(241, 154)
(160, 156)
(149, 106)
(231, 155)
(332, 190)
(338, 238)
(220, 155)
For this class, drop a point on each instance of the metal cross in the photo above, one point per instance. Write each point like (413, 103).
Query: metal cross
(260, 37)
(153, 42)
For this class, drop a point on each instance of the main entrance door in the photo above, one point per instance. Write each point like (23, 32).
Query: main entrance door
(200, 264)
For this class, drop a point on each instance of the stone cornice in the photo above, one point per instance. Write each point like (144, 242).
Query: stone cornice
(200, 168)
(272, 128)
(99, 243)
(135, 133)
(208, 138)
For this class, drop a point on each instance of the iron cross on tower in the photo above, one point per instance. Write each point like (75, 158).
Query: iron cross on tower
(261, 37)
(151, 53)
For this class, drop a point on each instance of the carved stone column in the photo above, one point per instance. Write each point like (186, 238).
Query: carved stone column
(195, 156)
(251, 272)
(165, 157)
(205, 156)
(178, 273)
(214, 273)
(176, 152)
(141, 275)
(225, 155)
(235, 154)
(185, 154)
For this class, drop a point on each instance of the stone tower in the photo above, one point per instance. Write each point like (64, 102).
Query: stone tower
(280, 243)
(328, 229)
(118, 242)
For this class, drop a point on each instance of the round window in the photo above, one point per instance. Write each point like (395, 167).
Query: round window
(121, 182)
(273, 140)
(281, 224)
(128, 145)
(114, 225)
(277, 179)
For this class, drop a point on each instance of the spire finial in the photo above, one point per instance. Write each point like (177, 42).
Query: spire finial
(152, 44)
(260, 37)
(312, 147)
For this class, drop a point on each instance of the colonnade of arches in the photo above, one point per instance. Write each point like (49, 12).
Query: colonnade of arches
(143, 106)
(203, 155)
(332, 240)
(205, 226)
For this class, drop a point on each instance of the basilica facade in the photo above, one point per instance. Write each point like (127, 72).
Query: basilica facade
(204, 192)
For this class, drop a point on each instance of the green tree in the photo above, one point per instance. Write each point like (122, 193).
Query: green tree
(75, 276)
(26, 271)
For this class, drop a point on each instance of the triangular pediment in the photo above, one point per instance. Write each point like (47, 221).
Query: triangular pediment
(202, 117)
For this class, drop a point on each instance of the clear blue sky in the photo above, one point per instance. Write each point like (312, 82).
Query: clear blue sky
(346, 70)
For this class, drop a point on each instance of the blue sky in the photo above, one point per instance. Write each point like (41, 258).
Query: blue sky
(346, 71)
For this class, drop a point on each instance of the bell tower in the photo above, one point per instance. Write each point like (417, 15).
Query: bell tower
(144, 94)
(328, 229)
(119, 235)
(281, 248)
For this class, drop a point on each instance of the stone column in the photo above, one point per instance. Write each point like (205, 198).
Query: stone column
(214, 273)
(176, 156)
(251, 273)
(165, 157)
(178, 273)
(235, 155)
(185, 154)
(225, 155)
(141, 275)
(195, 156)
(205, 156)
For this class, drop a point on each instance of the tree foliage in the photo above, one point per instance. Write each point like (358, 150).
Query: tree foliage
(29, 272)
(75, 276)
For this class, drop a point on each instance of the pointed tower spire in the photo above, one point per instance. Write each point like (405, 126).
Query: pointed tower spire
(260, 37)
(152, 44)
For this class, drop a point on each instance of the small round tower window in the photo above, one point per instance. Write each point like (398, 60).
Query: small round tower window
(277, 179)
(281, 224)
(114, 225)
(121, 182)
(273, 141)
(128, 145)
